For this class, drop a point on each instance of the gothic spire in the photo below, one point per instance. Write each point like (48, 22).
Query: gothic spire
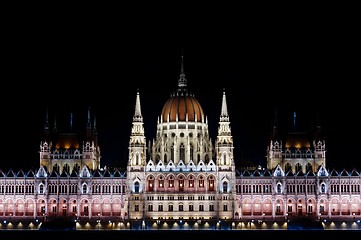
(275, 127)
(46, 124)
(224, 112)
(88, 123)
(137, 114)
(224, 128)
(318, 132)
(71, 121)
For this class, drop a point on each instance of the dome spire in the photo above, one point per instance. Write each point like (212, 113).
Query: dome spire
(182, 81)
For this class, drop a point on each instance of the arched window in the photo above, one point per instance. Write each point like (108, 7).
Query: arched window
(137, 159)
(225, 187)
(279, 188)
(136, 187)
(224, 159)
(206, 158)
(191, 152)
(298, 167)
(172, 153)
(287, 167)
(309, 167)
(323, 188)
(56, 168)
(66, 168)
(181, 184)
(211, 183)
(151, 184)
(182, 152)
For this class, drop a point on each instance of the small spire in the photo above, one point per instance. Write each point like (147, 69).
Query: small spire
(95, 122)
(88, 124)
(224, 111)
(294, 120)
(46, 125)
(275, 126)
(71, 121)
(137, 114)
(318, 132)
(55, 124)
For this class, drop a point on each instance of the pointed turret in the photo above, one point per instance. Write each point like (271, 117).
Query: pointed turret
(275, 134)
(274, 150)
(224, 124)
(137, 144)
(224, 145)
(138, 113)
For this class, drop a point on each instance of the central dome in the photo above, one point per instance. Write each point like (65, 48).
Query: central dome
(182, 106)
(179, 106)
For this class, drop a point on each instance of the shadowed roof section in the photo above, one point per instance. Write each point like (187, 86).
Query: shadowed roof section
(297, 140)
(67, 141)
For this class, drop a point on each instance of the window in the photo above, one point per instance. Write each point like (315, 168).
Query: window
(309, 208)
(225, 208)
(150, 208)
(171, 182)
(211, 208)
(191, 208)
(181, 152)
(201, 207)
(225, 187)
(191, 182)
(289, 208)
(211, 183)
(136, 208)
(161, 182)
(170, 208)
(181, 185)
(151, 184)
(86, 210)
(160, 208)
(136, 187)
(323, 188)
(180, 208)
(201, 182)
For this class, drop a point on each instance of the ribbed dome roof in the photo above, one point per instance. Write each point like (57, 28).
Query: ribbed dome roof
(180, 106)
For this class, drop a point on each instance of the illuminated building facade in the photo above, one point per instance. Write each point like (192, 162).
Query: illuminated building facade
(181, 175)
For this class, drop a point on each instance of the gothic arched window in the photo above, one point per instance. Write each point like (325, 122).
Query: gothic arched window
(182, 152)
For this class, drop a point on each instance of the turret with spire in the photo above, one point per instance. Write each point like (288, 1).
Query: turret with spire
(137, 160)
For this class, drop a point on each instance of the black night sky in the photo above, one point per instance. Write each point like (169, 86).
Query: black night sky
(67, 67)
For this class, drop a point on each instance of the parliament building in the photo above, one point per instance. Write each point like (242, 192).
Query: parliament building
(179, 178)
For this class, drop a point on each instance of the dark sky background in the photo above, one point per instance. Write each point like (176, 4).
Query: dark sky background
(311, 68)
